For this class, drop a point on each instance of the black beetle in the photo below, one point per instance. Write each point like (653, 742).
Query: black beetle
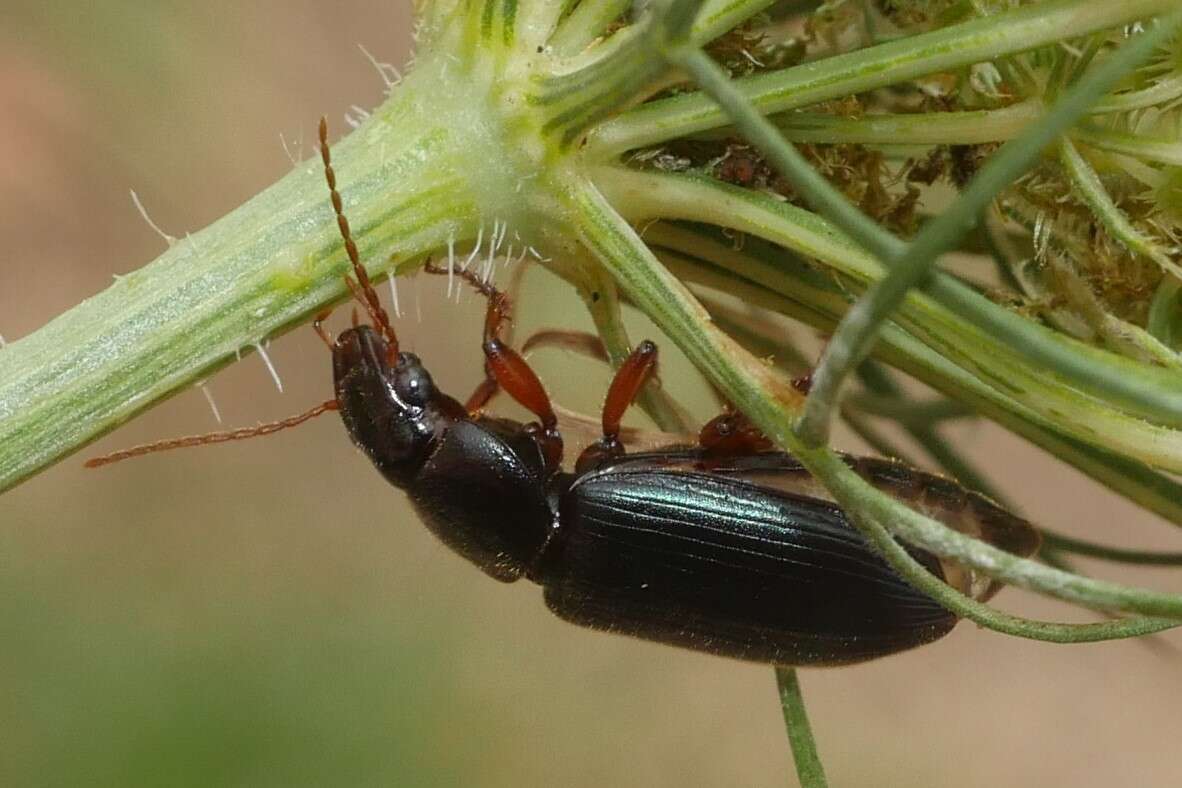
(727, 546)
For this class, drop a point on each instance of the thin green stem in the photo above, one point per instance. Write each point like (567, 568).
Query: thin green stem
(587, 22)
(1164, 90)
(1162, 151)
(908, 411)
(969, 127)
(1069, 544)
(800, 733)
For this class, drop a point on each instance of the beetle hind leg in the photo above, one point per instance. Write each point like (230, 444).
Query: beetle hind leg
(732, 434)
(626, 384)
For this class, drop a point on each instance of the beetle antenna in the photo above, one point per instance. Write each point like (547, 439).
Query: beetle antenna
(243, 433)
(362, 288)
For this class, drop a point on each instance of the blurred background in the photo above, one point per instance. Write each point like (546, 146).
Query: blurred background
(269, 613)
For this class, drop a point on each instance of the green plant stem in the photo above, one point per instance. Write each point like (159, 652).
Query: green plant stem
(222, 292)
(1163, 151)
(907, 411)
(970, 127)
(1165, 90)
(588, 21)
(800, 733)
(957, 46)
(1069, 544)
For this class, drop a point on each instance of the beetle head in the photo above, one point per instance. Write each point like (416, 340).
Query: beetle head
(389, 403)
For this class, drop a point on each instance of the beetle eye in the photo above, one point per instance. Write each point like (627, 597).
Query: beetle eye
(413, 384)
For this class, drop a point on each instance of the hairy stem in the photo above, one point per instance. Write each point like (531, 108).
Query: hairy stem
(259, 271)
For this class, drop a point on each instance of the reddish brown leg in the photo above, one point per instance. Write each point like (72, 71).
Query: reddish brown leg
(574, 341)
(730, 434)
(623, 390)
(506, 369)
(513, 374)
(318, 327)
(483, 394)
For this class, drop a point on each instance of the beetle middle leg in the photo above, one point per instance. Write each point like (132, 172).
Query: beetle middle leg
(626, 384)
(506, 369)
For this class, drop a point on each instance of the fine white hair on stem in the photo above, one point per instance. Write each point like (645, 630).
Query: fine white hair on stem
(294, 158)
(270, 367)
(356, 116)
(491, 265)
(139, 206)
(390, 75)
(193, 242)
(475, 248)
(522, 180)
(418, 299)
(394, 295)
(501, 236)
(451, 262)
(751, 58)
(213, 406)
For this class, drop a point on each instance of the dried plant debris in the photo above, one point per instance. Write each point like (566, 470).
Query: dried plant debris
(1060, 222)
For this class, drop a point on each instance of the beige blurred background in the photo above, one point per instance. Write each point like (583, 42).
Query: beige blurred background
(269, 614)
